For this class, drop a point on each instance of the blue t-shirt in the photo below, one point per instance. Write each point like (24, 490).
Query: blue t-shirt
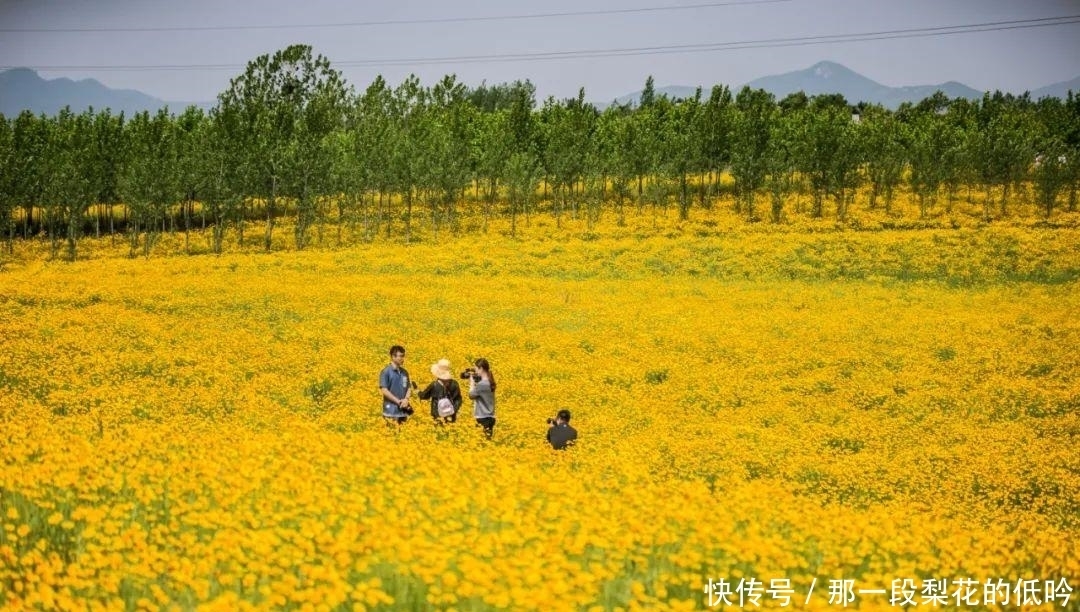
(397, 381)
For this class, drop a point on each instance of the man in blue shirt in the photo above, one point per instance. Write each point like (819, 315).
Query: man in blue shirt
(394, 385)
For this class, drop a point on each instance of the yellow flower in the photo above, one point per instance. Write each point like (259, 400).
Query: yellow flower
(754, 402)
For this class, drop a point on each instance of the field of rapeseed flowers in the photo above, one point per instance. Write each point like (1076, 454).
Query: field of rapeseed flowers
(817, 418)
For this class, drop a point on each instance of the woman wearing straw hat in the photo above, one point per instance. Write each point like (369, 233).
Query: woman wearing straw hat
(443, 392)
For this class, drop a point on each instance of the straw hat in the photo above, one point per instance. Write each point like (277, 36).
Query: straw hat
(441, 370)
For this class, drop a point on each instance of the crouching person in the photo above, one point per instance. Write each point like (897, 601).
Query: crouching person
(560, 434)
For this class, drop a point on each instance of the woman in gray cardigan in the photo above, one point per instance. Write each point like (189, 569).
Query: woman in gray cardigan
(482, 392)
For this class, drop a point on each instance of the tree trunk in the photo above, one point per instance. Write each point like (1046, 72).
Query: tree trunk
(560, 189)
(684, 204)
(408, 214)
(491, 201)
(241, 218)
(777, 211)
(619, 203)
(133, 238)
(341, 217)
(28, 219)
(187, 225)
(320, 221)
(268, 240)
(570, 198)
(926, 202)
(384, 208)
(640, 192)
(433, 204)
(72, 229)
(217, 232)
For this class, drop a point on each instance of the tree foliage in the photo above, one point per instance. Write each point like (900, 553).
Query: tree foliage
(290, 137)
(287, 105)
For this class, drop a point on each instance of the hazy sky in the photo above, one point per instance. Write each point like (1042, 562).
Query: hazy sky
(189, 50)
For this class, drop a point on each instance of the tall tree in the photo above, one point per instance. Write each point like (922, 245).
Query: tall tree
(71, 179)
(521, 119)
(959, 163)
(149, 183)
(372, 131)
(30, 139)
(714, 136)
(108, 152)
(648, 93)
(750, 144)
(191, 152)
(829, 155)
(7, 182)
(450, 139)
(1051, 171)
(522, 176)
(930, 137)
(679, 147)
(504, 127)
(568, 129)
(617, 128)
(492, 149)
(1070, 130)
(349, 179)
(217, 158)
(1005, 144)
(781, 157)
(409, 161)
(287, 105)
(647, 132)
(885, 157)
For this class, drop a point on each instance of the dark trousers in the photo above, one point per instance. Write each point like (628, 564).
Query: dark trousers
(488, 423)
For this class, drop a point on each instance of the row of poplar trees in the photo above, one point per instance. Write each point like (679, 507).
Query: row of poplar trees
(291, 137)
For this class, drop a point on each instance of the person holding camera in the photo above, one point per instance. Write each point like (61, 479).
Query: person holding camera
(394, 385)
(560, 434)
(443, 392)
(482, 393)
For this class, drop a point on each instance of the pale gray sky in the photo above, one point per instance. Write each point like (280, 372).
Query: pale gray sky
(221, 37)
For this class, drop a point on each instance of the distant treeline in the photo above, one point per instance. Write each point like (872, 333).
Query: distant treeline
(291, 130)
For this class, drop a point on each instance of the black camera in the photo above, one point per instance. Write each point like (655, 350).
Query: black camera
(408, 410)
(550, 421)
(470, 373)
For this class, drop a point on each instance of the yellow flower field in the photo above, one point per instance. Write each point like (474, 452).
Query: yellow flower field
(764, 413)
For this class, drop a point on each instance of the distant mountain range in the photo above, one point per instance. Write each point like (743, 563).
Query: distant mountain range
(830, 77)
(22, 88)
